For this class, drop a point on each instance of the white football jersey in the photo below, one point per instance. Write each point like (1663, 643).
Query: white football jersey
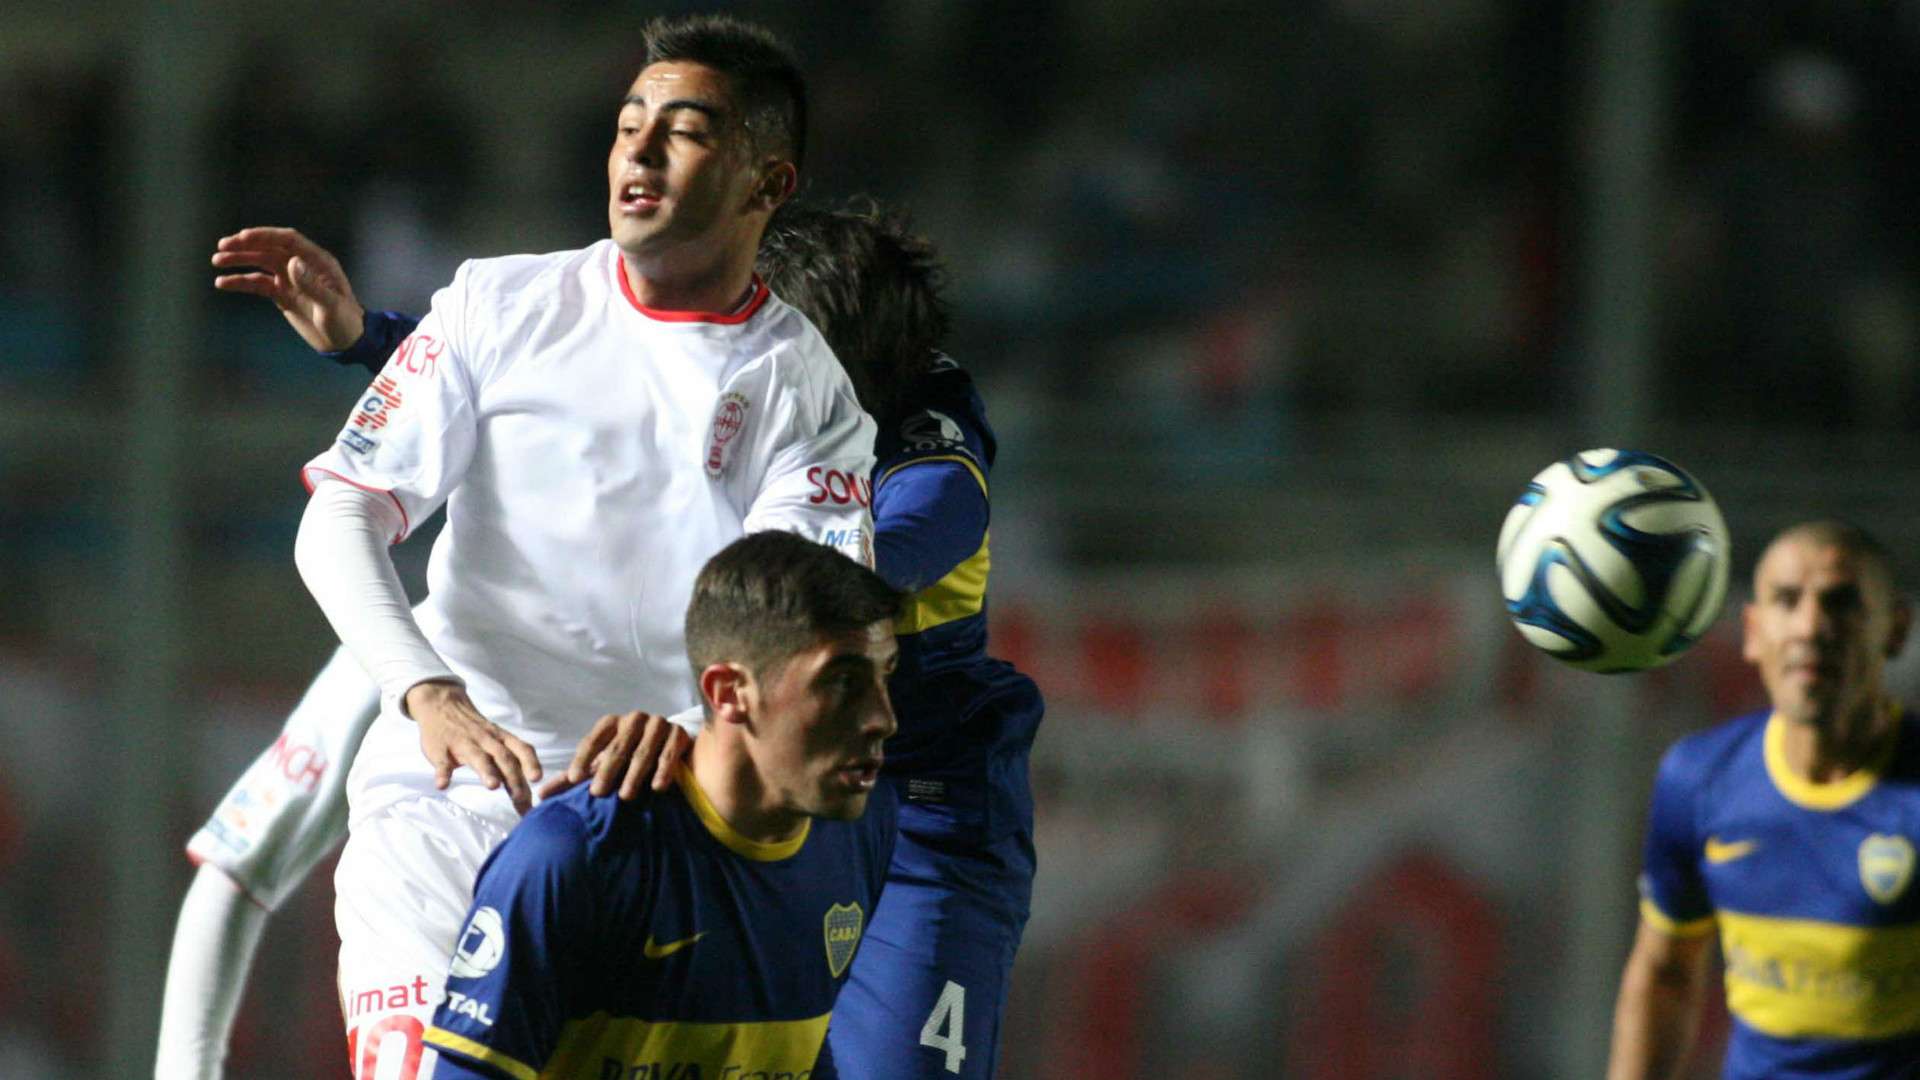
(592, 454)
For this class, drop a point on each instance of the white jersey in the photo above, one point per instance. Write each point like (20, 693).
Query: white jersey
(592, 454)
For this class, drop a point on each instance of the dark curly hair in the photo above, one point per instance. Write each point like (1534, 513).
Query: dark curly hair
(870, 284)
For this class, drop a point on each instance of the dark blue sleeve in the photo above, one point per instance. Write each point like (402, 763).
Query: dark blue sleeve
(930, 504)
(929, 516)
(1673, 893)
(383, 333)
(517, 964)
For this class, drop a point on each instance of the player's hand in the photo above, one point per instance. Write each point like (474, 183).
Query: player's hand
(453, 733)
(302, 279)
(625, 749)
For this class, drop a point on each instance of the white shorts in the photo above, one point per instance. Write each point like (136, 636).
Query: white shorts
(289, 809)
(401, 894)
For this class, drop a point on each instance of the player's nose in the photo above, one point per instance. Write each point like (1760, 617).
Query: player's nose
(880, 722)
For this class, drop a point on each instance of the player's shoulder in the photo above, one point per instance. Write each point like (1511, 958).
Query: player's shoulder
(513, 276)
(798, 351)
(1695, 757)
(939, 413)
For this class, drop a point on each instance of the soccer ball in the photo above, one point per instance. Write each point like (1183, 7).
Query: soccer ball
(1613, 560)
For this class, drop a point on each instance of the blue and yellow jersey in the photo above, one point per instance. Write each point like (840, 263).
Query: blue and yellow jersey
(967, 720)
(1811, 887)
(646, 938)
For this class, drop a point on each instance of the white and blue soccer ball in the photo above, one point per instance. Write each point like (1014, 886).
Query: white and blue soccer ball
(1614, 560)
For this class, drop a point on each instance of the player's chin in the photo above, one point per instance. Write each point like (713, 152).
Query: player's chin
(844, 794)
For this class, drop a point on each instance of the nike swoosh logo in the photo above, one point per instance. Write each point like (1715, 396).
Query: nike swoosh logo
(657, 952)
(1718, 852)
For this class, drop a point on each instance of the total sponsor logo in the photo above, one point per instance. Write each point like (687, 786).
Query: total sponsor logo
(470, 1007)
(839, 488)
(612, 1069)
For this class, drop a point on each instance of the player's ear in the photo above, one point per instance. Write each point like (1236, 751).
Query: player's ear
(1902, 622)
(725, 688)
(778, 181)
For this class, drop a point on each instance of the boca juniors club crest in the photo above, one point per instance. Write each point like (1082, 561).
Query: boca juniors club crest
(1886, 866)
(844, 922)
(728, 419)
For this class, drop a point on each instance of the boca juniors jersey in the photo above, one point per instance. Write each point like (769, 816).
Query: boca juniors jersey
(1811, 887)
(967, 720)
(647, 938)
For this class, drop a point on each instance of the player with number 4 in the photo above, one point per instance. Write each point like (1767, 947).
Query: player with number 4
(929, 985)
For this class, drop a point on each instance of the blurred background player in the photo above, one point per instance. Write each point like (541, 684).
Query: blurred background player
(929, 990)
(705, 930)
(564, 407)
(1791, 832)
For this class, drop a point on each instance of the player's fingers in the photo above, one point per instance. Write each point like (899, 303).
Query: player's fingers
(678, 743)
(635, 779)
(646, 756)
(255, 284)
(529, 760)
(506, 761)
(264, 236)
(582, 764)
(243, 257)
(478, 756)
(615, 761)
(559, 783)
(443, 766)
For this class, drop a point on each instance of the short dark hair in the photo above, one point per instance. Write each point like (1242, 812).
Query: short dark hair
(1848, 537)
(770, 595)
(765, 77)
(870, 284)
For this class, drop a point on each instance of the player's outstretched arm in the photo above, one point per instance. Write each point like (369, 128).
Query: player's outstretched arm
(625, 750)
(1658, 1011)
(341, 553)
(302, 279)
(213, 946)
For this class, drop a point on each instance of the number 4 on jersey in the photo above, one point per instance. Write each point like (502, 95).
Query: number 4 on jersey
(946, 1026)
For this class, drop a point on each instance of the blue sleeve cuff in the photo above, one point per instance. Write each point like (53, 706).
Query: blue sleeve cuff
(383, 332)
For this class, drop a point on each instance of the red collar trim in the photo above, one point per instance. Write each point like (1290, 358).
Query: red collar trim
(730, 318)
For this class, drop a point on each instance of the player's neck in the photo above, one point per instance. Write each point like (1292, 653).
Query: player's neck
(1853, 739)
(734, 787)
(717, 288)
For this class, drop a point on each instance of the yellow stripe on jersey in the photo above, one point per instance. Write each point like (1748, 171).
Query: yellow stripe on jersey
(1801, 978)
(441, 1039)
(960, 594)
(767, 1048)
(757, 850)
(1659, 920)
(962, 459)
(964, 590)
(1832, 795)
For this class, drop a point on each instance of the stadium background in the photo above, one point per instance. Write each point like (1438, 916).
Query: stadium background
(1276, 307)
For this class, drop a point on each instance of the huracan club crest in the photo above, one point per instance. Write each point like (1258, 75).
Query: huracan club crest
(728, 419)
(1886, 866)
(843, 924)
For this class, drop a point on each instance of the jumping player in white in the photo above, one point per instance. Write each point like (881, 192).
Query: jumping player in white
(598, 422)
